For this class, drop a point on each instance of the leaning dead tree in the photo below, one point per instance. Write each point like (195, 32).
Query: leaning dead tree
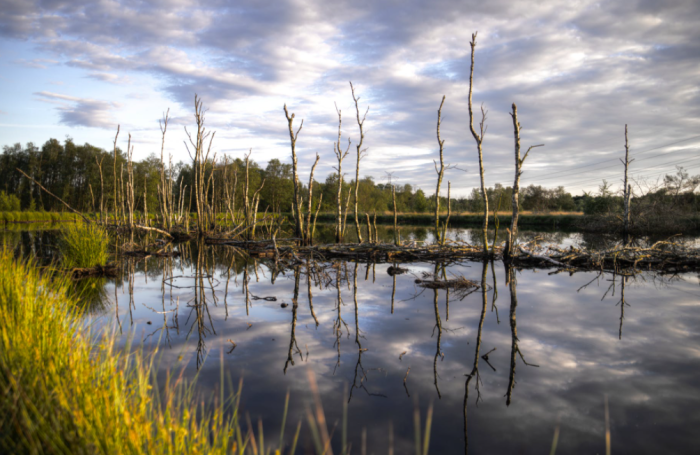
(513, 231)
(340, 155)
(627, 190)
(361, 153)
(199, 161)
(308, 233)
(296, 204)
(479, 138)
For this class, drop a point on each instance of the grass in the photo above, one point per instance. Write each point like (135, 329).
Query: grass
(61, 393)
(37, 217)
(84, 245)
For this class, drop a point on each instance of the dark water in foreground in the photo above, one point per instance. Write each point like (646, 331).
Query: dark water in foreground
(358, 329)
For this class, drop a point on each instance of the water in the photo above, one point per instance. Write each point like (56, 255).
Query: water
(576, 344)
(585, 346)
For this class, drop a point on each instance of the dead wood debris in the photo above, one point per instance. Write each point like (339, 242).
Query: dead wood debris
(457, 283)
(665, 256)
(109, 270)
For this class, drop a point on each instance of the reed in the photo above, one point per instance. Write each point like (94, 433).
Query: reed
(84, 245)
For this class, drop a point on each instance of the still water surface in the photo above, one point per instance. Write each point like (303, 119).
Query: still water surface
(359, 330)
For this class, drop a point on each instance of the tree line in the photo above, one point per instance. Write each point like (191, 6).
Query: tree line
(71, 171)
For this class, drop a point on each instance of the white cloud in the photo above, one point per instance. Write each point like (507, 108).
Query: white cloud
(109, 77)
(76, 111)
(38, 63)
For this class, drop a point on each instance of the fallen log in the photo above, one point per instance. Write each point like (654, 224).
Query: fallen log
(108, 270)
(457, 283)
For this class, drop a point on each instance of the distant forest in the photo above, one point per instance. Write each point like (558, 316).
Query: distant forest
(72, 172)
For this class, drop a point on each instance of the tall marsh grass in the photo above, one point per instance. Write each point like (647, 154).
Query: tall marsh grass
(63, 391)
(84, 245)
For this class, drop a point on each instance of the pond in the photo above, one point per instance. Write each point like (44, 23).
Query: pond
(525, 359)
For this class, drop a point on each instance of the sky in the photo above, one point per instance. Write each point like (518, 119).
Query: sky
(577, 70)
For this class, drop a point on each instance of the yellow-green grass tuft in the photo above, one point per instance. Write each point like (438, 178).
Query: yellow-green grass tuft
(62, 390)
(84, 245)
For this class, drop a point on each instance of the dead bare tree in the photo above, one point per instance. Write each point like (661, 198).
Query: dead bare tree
(116, 201)
(318, 209)
(479, 138)
(627, 190)
(513, 231)
(308, 239)
(396, 231)
(361, 153)
(340, 155)
(121, 194)
(165, 187)
(130, 182)
(440, 172)
(102, 188)
(449, 212)
(246, 199)
(199, 160)
(298, 218)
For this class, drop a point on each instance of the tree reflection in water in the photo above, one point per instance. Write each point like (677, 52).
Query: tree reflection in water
(474, 373)
(511, 279)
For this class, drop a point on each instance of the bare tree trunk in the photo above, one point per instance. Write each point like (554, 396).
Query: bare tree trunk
(307, 235)
(345, 216)
(102, 188)
(449, 212)
(513, 231)
(121, 194)
(246, 208)
(479, 138)
(440, 173)
(92, 196)
(374, 225)
(318, 208)
(360, 154)
(299, 221)
(340, 155)
(145, 203)
(627, 190)
(396, 230)
(116, 202)
(130, 182)
(166, 202)
(369, 229)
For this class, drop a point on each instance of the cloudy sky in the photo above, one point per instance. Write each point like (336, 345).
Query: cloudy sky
(578, 71)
